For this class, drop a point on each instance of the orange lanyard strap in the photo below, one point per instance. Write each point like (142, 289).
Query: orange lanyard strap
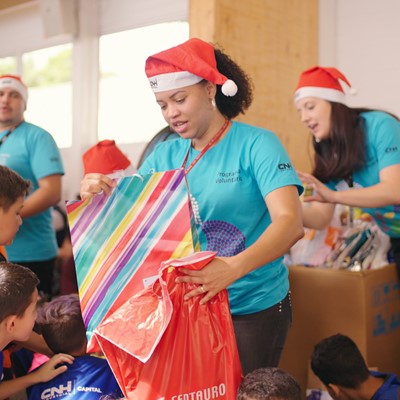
(209, 144)
(3, 254)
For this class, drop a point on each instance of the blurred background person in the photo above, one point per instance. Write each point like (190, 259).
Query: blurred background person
(355, 148)
(32, 152)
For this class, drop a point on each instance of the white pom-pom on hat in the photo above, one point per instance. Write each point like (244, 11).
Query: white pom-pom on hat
(229, 88)
(352, 91)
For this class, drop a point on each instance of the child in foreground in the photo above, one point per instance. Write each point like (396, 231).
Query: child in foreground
(18, 300)
(63, 329)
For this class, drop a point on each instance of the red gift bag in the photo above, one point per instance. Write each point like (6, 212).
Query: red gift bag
(161, 347)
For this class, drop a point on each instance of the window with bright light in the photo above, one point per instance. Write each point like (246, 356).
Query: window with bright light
(128, 112)
(48, 73)
(8, 65)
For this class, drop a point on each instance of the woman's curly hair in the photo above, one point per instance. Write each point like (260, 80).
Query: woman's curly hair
(231, 107)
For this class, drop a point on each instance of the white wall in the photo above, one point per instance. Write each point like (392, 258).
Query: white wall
(120, 15)
(362, 39)
(23, 28)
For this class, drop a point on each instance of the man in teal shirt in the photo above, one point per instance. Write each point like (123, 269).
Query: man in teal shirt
(32, 152)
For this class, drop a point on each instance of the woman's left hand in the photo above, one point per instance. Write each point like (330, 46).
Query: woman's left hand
(214, 277)
(321, 192)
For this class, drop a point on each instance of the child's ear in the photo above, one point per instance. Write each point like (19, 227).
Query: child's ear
(10, 323)
(333, 390)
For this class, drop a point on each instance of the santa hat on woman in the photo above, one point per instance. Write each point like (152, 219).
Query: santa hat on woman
(186, 65)
(326, 83)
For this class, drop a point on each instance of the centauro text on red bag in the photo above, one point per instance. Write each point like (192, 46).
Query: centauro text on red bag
(206, 394)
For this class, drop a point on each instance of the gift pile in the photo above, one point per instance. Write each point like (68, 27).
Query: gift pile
(355, 246)
(360, 247)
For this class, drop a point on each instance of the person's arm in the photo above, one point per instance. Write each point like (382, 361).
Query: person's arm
(47, 195)
(385, 192)
(317, 215)
(37, 344)
(95, 183)
(46, 372)
(65, 251)
(285, 229)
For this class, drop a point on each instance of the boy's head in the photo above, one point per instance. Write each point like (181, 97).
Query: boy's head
(336, 360)
(269, 384)
(18, 299)
(62, 326)
(13, 189)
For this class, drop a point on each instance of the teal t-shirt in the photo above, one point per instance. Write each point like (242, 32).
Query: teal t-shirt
(32, 152)
(227, 189)
(382, 142)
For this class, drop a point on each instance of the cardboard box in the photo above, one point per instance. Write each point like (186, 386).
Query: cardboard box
(362, 305)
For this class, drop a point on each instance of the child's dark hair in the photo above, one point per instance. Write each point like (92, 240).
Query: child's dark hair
(12, 186)
(17, 285)
(231, 107)
(62, 326)
(269, 383)
(337, 360)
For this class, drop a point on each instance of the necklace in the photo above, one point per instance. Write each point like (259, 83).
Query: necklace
(209, 144)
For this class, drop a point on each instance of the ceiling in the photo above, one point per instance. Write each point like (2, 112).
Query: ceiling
(11, 3)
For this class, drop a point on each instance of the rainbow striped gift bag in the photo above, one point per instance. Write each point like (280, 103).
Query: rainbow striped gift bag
(120, 240)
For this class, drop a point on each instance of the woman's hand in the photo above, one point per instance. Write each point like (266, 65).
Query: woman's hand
(320, 193)
(95, 183)
(214, 277)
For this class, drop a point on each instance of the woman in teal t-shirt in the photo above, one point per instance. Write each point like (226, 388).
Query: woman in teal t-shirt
(244, 192)
(355, 148)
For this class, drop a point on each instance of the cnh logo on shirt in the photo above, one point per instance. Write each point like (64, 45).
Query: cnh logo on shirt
(391, 149)
(57, 391)
(284, 166)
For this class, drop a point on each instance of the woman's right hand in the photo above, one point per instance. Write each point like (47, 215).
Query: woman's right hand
(321, 192)
(95, 183)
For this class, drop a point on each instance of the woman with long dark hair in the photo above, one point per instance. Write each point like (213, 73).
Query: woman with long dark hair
(355, 148)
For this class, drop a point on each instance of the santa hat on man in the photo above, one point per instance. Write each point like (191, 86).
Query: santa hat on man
(326, 83)
(14, 82)
(185, 65)
(105, 158)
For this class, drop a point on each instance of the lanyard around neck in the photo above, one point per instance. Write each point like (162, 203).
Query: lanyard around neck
(209, 144)
(5, 137)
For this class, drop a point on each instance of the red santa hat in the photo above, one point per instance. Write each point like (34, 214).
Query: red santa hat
(325, 83)
(14, 82)
(105, 158)
(185, 65)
